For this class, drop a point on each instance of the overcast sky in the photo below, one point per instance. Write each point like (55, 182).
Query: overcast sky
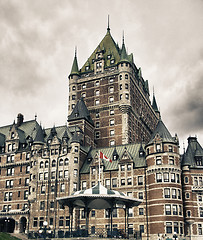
(37, 44)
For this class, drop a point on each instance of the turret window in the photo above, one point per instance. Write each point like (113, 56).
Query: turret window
(170, 148)
(54, 163)
(73, 88)
(158, 147)
(73, 97)
(171, 160)
(168, 209)
(126, 76)
(167, 192)
(75, 159)
(112, 61)
(166, 177)
(126, 86)
(127, 96)
(159, 177)
(120, 77)
(158, 160)
(172, 177)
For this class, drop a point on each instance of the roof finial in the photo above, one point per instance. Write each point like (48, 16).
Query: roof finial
(153, 90)
(75, 51)
(123, 36)
(108, 28)
(35, 116)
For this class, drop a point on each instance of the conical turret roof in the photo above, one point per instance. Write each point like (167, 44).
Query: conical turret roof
(80, 111)
(39, 136)
(163, 132)
(75, 69)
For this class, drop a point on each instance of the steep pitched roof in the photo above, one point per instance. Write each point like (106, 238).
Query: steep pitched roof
(75, 69)
(194, 149)
(163, 132)
(80, 111)
(39, 136)
(107, 44)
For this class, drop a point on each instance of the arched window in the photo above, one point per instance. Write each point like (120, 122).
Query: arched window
(46, 164)
(41, 164)
(61, 162)
(54, 163)
(66, 161)
(126, 76)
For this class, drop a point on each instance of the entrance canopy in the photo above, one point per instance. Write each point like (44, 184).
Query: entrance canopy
(99, 197)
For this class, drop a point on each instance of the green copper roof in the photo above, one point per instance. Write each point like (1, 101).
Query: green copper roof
(194, 150)
(163, 132)
(108, 47)
(132, 150)
(75, 69)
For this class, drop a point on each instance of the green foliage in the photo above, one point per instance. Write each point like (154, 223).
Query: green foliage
(7, 236)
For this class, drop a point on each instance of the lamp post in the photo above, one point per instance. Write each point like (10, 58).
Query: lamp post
(45, 223)
(175, 236)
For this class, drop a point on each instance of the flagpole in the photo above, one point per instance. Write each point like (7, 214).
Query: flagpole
(99, 167)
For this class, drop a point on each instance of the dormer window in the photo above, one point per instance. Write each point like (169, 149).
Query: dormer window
(12, 135)
(93, 60)
(199, 161)
(112, 61)
(87, 68)
(108, 56)
(99, 65)
(9, 147)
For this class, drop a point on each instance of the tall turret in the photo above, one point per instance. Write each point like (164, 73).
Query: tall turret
(164, 184)
(73, 78)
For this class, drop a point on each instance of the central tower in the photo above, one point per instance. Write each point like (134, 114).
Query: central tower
(115, 94)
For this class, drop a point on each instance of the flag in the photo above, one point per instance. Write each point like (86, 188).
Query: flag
(102, 156)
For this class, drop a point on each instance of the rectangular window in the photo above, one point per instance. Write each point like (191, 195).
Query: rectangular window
(140, 180)
(168, 227)
(130, 212)
(175, 210)
(140, 195)
(42, 205)
(129, 167)
(114, 213)
(35, 222)
(200, 232)
(84, 185)
(122, 167)
(112, 122)
(158, 147)
(97, 135)
(122, 182)
(171, 160)
(166, 177)
(114, 182)
(168, 209)
(51, 221)
(172, 177)
(129, 181)
(167, 192)
(62, 187)
(158, 177)
(75, 159)
(111, 112)
(112, 132)
(61, 221)
(141, 211)
(26, 194)
(174, 195)
(107, 183)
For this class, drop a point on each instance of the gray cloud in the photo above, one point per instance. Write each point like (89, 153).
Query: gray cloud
(37, 41)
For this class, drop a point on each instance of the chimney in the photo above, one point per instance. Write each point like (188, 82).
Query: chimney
(20, 119)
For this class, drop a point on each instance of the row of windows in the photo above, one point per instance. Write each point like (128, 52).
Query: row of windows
(113, 182)
(167, 177)
(61, 174)
(53, 164)
(172, 227)
(43, 188)
(111, 112)
(10, 171)
(8, 196)
(172, 193)
(159, 160)
(173, 209)
(38, 222)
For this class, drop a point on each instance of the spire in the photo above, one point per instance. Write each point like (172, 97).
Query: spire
(124, 55)
(154, 104)
(75, 70)
(108, 28)
(39, 138)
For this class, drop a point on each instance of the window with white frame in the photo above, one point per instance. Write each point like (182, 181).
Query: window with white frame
(112, 132)
(111, 99)
(111, 89)
(112, 122)
(97, 102)
(97, 93)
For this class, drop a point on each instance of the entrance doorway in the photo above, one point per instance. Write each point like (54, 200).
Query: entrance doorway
(7, 225)
(23, 222)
